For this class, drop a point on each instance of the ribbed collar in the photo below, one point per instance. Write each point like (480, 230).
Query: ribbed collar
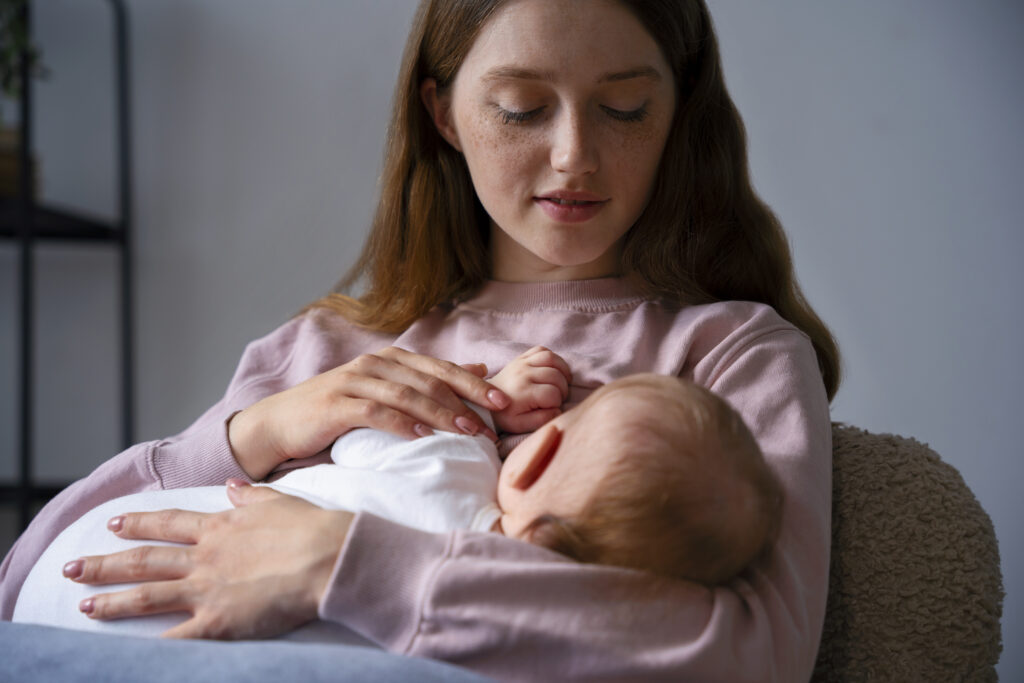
(573, 295)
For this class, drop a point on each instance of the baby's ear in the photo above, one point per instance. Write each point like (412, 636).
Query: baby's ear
(545, 531)
(540, 449)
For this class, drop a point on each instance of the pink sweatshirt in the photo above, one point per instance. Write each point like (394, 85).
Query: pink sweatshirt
(506, 608)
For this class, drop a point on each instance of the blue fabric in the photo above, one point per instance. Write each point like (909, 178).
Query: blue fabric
(38, 654)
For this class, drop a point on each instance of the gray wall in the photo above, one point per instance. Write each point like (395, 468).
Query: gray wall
(885, 135)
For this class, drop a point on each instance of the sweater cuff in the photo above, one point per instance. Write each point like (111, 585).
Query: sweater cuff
(203, 458)
(381, 579)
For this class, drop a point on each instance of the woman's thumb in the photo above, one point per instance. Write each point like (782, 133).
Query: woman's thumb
(242, 493)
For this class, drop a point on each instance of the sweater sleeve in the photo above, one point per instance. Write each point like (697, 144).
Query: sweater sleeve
(519, 612)
(198, 456)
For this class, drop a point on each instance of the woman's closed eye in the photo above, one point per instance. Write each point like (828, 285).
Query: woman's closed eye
(631, 115)
(511, 117)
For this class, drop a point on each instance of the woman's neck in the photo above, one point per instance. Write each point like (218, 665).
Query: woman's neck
(518, 297)
(512, 262)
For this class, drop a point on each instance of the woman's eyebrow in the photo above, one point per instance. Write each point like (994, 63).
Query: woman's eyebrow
(648, 72)
(512, 73)
(505, 73)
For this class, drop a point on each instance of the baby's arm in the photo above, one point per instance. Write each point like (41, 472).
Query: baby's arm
(537, 381)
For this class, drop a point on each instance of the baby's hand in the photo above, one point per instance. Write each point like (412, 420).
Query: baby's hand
(537, 382)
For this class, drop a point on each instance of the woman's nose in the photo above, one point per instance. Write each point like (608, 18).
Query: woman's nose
(573, 149)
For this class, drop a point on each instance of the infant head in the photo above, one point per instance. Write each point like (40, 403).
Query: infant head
(650, 472)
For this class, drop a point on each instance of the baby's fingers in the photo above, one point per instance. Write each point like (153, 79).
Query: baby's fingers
(530, 421)
(540, 356)
(546, 396)
(557, 385)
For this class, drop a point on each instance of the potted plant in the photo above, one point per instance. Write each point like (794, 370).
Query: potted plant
(15, 44)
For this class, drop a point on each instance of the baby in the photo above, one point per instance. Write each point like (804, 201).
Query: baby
(649, 472)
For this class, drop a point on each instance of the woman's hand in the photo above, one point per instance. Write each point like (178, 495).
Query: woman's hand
(394, 390)
(253, 572)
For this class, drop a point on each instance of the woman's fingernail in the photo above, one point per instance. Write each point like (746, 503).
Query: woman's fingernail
(116, 523)
(87, 606)
(236, 483)
(422, 429)
(466, 425)
(73, 569)
(498, 399)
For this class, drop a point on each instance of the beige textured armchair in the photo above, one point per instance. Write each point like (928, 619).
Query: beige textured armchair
(915, 591)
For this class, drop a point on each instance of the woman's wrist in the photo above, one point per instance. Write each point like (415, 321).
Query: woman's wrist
(241, 439)
(335, 525)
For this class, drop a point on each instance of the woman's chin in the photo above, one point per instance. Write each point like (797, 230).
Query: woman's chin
(555, 273)
(572, 267)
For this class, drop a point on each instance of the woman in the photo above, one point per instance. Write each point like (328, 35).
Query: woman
(558, 173)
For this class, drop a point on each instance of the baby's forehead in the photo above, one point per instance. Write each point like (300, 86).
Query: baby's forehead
(624, 404)
(648, 412)
(629, 414)
(645, 390)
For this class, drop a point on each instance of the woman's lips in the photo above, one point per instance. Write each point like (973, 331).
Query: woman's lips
(570, 207)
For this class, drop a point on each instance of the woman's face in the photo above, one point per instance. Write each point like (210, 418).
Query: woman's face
(561, 109)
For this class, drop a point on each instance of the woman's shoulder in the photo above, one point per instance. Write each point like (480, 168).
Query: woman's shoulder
(317, 323)
(736, 318)
(715, 324)
(713, 336)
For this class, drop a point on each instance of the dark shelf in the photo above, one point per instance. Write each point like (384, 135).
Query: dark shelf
(26, 223)
(37, 493)
(57, 225)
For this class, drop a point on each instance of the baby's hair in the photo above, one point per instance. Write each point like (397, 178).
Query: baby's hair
(691, 497)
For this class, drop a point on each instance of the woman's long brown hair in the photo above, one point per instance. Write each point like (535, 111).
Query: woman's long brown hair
(704, 236)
